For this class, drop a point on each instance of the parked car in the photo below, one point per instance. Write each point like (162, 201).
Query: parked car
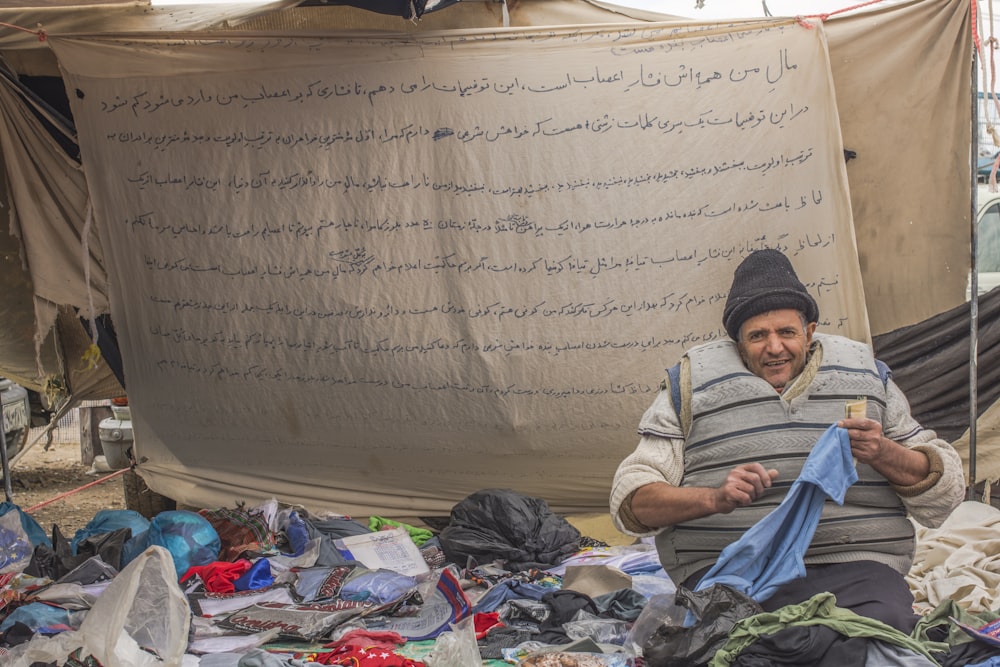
(16, 415)
(988, 242)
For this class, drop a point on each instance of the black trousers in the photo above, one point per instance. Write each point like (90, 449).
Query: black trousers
(865, 587)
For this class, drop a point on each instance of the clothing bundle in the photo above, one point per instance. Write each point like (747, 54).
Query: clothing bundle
(274, 586)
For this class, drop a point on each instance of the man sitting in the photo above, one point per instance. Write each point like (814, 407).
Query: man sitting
(750, 410)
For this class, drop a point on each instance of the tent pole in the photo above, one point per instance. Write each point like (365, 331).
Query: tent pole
(973, 284)
(4, 463)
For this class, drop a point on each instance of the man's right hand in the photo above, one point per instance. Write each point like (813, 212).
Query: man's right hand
(744, 484)
(659, 504)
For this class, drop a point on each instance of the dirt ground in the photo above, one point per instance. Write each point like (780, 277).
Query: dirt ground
(41, 475)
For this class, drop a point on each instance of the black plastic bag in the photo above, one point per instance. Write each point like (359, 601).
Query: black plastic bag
(500, 524)
(57, 561)
(715, 611)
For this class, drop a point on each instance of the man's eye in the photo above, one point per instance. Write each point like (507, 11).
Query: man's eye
(789, 333)
(755, 337)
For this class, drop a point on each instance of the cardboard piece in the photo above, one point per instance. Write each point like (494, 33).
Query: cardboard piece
(594, 580)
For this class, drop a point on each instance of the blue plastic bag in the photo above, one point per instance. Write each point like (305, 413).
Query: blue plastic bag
(188, 536)
(108, 521)
(31, 527)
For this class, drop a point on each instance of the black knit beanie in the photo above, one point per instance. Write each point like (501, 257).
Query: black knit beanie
(763, 282)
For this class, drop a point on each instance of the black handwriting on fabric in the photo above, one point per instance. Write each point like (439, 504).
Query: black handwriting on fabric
(512, 224)
(261, 341)
(309, 179)
(411, 133)
(359, 261)
(611, 80)
(672, 302)
(262, 373)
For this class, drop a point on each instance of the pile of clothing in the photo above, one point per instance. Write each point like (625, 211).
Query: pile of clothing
(505, 582)
(280, 585)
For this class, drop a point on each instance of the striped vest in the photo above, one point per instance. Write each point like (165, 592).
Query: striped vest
(737, 417)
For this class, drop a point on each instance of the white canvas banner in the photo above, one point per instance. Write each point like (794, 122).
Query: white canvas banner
(376, 274)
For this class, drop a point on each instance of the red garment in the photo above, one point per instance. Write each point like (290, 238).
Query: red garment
(361, 638)
(375, 656)
(220, 575)
(486, 621)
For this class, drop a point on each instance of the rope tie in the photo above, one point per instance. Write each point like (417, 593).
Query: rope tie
(42, 35)
(69, 493)
(825, 17)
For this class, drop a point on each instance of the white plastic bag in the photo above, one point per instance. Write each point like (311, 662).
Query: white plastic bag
(659, 610)
(143, 609)
(457, 648)
(141, 620)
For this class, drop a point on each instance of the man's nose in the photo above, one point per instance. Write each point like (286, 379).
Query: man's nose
(774, 343)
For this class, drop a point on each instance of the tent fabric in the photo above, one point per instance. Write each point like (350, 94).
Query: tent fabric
(49, 189)
(914, 250)
(48, 202)
(887, 214)
(304, 420)
(877, 80)
(17, 318)
(413, 268)
(70, 16)
(987, 451)
(930, 363)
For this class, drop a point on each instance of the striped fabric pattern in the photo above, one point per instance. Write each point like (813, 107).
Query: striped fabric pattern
(738, 418)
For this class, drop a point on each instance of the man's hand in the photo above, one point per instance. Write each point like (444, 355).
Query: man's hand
(659, 504)
(898, 464)
(868, 445)
(744, 484)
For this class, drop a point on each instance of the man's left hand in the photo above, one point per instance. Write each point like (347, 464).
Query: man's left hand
(897, 463)
(868, 444)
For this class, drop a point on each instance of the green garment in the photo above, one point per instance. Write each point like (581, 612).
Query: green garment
(820, 609)
(942, 615)
(418, 535)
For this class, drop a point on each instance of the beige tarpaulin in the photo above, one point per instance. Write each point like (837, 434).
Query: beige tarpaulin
(903, 79)
(54, 264)
(378, 274)
(48, 188)
(892, 102)
(987, 448)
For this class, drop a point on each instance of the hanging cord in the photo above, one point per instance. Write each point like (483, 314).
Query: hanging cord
(990, 94)
(981, 55)
(93, 353)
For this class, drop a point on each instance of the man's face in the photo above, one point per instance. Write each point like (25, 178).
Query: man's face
(773, 345)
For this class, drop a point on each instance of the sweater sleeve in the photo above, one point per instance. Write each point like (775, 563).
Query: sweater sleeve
(929, 502)
(657, 458)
